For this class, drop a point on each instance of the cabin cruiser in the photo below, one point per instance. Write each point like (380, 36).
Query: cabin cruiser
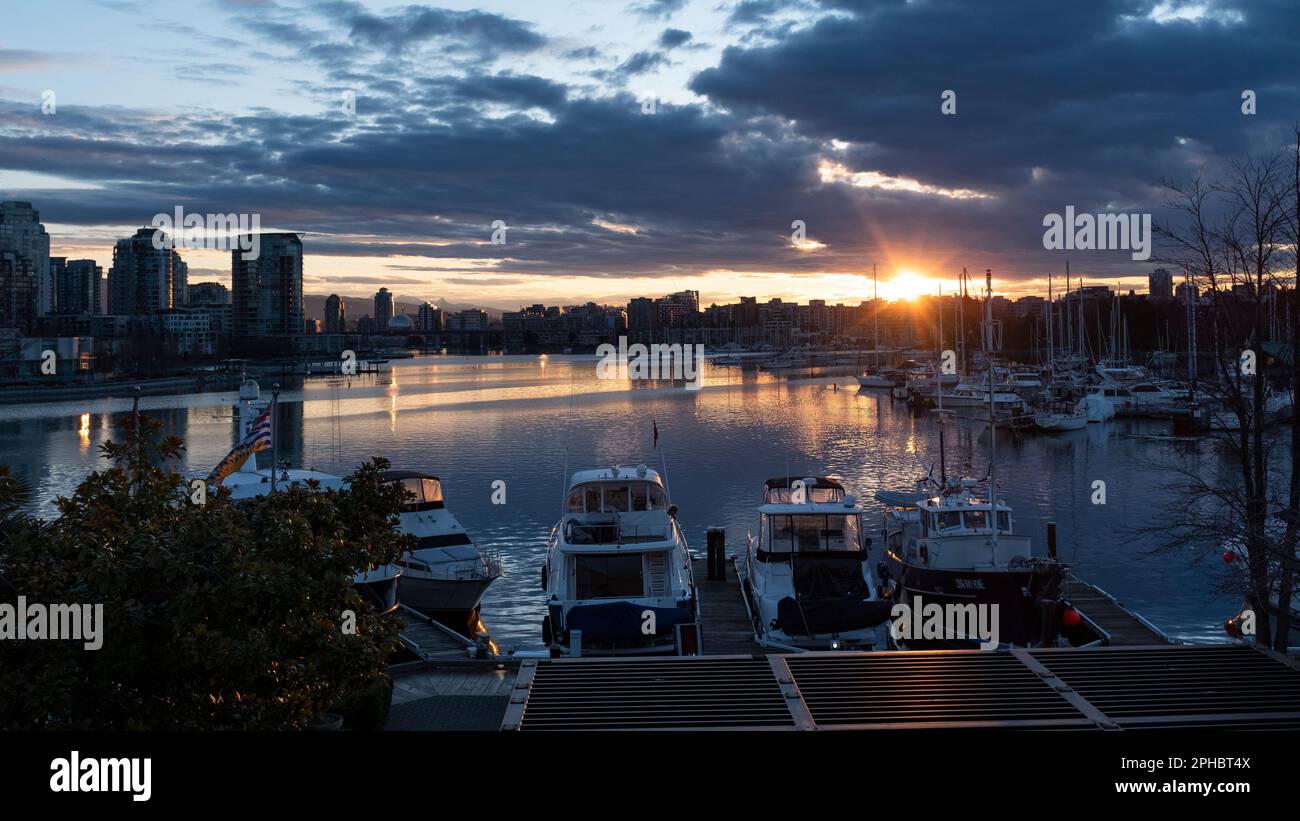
(806, 578)
(618, 570)
(941, 547)
(967, 395)
(446, 572)
(377, 585)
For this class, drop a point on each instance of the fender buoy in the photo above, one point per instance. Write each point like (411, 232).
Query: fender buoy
(546, 630)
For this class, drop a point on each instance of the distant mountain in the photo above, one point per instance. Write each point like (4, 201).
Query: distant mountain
(313, 306)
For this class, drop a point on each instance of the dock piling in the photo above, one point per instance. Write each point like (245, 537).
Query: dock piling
(1051, 540)
(717, 559)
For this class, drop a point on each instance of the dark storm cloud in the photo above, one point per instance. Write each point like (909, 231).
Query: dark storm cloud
(1089, 106)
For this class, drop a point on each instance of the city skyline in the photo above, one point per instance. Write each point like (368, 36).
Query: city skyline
(675, 150)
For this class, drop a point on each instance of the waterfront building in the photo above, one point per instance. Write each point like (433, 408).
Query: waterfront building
(1160, 284)
(208, 293)
(146, 279)
(78, 286)
(19, 290)
(336, 315)
(470, 319)
(266, 292)
(383, 309)
(429, 319)
(23, 235)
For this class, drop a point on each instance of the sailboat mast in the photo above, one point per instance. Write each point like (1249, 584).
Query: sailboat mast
(938, 376)
(1051, 355)
(875, 310)
(993, 430)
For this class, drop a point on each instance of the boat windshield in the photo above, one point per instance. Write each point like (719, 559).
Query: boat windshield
(422, 493)
(615, 497)
(810, 532)
(969, 519)
(816, 495)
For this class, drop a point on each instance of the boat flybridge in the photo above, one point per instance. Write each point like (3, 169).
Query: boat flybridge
(806, 579)
(618, 570)
(445, 573)
(941, 547)
(377, 585)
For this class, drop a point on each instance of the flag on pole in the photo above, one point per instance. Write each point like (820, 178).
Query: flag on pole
(656, 430)
(257, 439)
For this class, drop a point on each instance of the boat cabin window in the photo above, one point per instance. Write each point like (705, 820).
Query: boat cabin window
(611, 576)
(615, 498)
(812, 532)
(979, 520)
(422, 492)
(816, 495)
(947, 520)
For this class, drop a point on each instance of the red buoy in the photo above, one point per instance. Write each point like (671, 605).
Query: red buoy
(1071, 617)
(1229, 556)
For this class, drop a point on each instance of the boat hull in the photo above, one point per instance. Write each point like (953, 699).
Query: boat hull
(1022, 618)
(442, 594)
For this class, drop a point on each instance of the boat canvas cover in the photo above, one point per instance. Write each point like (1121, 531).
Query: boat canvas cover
(902, 498)
(833, 596)
(622, 621)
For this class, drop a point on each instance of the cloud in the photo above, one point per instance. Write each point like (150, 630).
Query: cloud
(672, 38)
(659, 8)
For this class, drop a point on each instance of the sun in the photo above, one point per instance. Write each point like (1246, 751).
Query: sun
(906, 284)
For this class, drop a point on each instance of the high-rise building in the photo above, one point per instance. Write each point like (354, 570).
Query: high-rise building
(1160, 284)
(207, 293)
(336, 315)
(1186, 291)
(19, 290)
(144, 278)
(78, 288)
(22, 233)
(266, 291)
(383, 309)
(641, 314)
(429, 319)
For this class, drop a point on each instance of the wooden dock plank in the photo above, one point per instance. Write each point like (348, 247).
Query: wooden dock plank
(726, 626)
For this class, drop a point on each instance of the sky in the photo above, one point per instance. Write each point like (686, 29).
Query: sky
(637, 148)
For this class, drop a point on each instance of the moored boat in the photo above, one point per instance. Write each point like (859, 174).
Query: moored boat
(617, 573)
(805, 576)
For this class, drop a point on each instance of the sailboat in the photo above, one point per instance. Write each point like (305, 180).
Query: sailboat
(873, 378)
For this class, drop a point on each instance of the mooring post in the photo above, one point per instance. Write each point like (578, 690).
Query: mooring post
(1051, 540)
(717, 552)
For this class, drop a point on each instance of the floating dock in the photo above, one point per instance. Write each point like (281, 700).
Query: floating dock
(1118, 625)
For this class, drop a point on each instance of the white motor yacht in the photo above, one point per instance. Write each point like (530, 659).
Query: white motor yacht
(617, 574)
(805, 576)
(446, 572)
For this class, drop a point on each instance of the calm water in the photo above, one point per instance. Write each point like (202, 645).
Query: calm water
(523, 419)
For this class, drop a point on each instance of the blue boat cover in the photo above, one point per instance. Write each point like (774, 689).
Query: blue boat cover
(621, 621)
